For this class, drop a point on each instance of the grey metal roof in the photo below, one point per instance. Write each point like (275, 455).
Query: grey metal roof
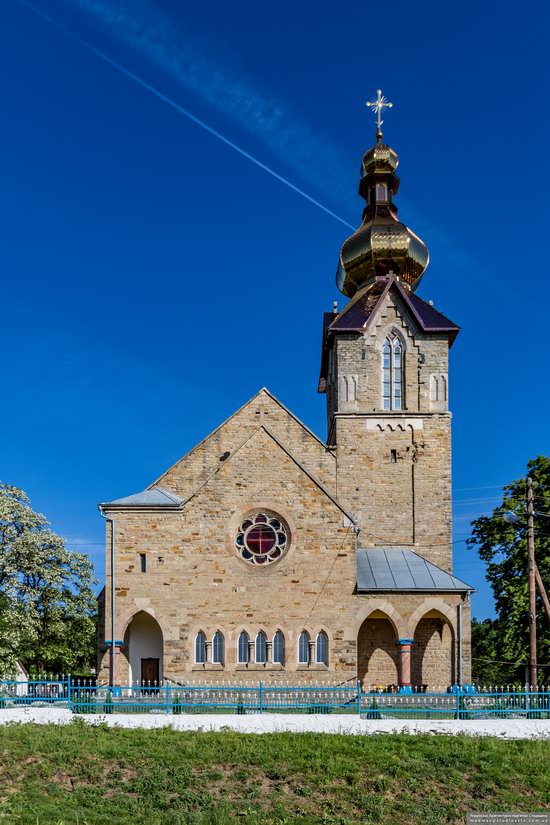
(400, 568)
(154, 497)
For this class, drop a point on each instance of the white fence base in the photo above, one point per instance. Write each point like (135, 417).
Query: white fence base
(295, 723)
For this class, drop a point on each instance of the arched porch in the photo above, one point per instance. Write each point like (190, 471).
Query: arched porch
(378, 657)
(144, 645)
(433, 651)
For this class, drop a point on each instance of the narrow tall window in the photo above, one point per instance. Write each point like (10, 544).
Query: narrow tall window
(321, 648)
(392, 373)
(303, 648)
(243, 648)
(217, 648)
(279, 648)
(200, 648)
(381, 193)
(261, 651)
(143, 562)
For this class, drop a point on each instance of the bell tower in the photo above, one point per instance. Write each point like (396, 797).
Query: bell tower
(385, 373)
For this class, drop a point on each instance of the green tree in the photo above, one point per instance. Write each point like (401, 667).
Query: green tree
(487, 666)
(47, 605)
(503, 547)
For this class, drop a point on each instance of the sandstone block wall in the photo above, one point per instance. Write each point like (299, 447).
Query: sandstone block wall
(390, 471)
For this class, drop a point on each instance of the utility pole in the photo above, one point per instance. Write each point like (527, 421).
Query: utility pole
(532, 587)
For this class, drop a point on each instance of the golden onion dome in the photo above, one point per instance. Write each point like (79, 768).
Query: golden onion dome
(382, 244)
(381, 157)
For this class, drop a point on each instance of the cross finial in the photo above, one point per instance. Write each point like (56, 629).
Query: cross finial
(378, 106)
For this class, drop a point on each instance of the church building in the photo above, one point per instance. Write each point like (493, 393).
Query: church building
(268, 554)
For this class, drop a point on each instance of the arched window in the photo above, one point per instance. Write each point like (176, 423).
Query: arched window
(303, 648)
(217, 648)
(392, 373)
(381, 193)
(200, 648)
(321, 648)
(242, 656)
(260, 648)
(279, 648)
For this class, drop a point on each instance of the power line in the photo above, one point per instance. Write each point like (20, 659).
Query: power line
(501, 662)
(197, 121)
(490, 487)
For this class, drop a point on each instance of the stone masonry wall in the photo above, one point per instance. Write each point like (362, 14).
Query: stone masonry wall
(195, 581)
(433, 654)
(197, 466)
(394, 467)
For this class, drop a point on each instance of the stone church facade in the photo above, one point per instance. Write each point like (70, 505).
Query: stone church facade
(268, 554)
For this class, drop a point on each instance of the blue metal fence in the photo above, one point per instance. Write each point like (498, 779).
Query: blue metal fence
(85, 696)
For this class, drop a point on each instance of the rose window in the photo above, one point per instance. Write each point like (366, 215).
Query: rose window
(261, 539)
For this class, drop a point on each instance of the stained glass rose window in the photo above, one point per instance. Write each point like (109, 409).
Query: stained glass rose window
(261, 539)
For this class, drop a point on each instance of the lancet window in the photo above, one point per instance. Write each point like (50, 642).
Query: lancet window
(261, 648)
(243, 648)
(321, 648)
(200, 648)
(218, 648)
(279, 648)
(392, 373)
(303, 648)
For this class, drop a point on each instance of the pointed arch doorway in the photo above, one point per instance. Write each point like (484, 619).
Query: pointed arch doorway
(145, 644)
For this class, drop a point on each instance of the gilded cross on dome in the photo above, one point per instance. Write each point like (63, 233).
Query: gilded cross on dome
(378, 106)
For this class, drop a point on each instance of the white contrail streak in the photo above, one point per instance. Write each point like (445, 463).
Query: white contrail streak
(161, 96)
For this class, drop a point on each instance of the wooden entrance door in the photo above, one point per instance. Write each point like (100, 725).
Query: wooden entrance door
(150, 672)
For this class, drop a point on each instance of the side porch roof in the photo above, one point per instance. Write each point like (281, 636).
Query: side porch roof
(401, 569)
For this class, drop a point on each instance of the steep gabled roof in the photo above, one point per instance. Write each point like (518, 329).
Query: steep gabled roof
(401, 569)
(356, 314)
(270, 395)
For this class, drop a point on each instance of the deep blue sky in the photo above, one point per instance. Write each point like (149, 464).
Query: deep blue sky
(153, 279)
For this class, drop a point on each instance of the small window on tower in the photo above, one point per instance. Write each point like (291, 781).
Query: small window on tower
(394, 456)
(143, 562)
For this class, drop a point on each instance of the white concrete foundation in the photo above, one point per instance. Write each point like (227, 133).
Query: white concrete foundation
(297, 723)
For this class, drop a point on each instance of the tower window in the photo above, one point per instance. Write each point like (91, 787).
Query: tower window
(143, 562)
(394, 456)
(392, 373)
(381, 193)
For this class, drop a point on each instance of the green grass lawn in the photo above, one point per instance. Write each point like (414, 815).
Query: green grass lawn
(98, 776)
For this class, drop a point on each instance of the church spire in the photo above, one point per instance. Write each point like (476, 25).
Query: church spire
(382, 244)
